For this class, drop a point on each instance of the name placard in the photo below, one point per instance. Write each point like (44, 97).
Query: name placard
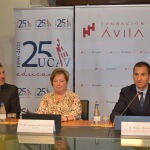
(35, 126)
(135, 128)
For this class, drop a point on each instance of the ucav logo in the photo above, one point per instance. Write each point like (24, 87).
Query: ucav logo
(23, 23)
(41, 91)
(42, 23)
(63, 23)
(24, 92)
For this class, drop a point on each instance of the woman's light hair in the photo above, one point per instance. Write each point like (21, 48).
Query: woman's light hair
(59, 71)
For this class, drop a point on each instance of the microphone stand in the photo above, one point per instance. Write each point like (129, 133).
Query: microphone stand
(129, 104)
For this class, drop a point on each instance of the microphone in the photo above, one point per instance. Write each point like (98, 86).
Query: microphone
(129, 104)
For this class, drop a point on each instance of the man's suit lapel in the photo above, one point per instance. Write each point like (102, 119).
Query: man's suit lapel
(147, 98)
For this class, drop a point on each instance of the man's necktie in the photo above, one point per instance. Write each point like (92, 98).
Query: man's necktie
(141, 101)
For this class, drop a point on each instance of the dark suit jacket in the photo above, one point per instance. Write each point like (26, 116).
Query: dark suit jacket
(126, 95)
(9, 95)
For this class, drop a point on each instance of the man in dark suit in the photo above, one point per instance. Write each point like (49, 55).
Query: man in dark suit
(9, 95)
(134, 100)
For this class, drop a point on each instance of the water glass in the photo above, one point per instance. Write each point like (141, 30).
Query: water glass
(11, 116)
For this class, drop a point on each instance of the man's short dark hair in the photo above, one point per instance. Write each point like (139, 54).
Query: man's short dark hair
(141, 64)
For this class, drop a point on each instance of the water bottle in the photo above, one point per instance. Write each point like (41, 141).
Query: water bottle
(2, 112)
(96, 114)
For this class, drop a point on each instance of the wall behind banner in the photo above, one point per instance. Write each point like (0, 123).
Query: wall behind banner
(7, 55)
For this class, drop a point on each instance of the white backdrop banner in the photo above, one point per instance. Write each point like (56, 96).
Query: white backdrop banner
(109, 40)
(44, 41)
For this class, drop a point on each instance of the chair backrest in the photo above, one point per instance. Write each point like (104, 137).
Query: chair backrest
(85, 109)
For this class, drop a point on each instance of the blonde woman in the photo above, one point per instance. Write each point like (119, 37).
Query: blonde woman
(60, 100)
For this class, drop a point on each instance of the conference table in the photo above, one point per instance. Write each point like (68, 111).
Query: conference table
(74, 135)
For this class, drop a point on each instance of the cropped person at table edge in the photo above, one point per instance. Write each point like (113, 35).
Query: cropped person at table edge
(60, 100)
(9, 95)
(134, 100)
